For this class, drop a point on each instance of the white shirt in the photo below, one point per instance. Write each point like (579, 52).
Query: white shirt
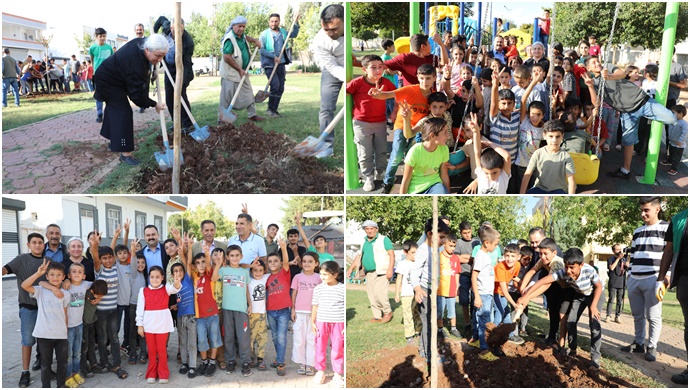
(403, 268)
(329, 54)
(486, 278)
(487, 187)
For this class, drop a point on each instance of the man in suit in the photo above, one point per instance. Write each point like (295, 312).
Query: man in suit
(154, 252)
(208, 232)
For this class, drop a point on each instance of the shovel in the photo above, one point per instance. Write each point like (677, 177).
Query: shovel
(317, 147)
(227, 115)
(263, 95)
(200, 134)
(165, 158)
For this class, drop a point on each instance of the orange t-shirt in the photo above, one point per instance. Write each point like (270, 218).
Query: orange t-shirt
(418, 104)
(503, 274)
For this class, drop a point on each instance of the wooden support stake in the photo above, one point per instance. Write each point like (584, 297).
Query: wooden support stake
(177, 116)
(434, 286)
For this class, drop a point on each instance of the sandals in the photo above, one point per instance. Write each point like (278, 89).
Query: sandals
(132, 360)
(280, 370)
(261, 365)
(121, 374)
(607, 148)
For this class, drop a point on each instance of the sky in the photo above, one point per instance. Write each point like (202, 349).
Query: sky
(519, 11)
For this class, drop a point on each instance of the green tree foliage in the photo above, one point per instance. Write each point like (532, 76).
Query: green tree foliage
(84, 42)
(639, 24)
(402, 218)
(190, 220)
(389, 17)
(310, 24)
(198, 27)
(606, 220)
(301, 204)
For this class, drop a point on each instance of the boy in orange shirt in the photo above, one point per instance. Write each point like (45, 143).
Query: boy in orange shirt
(416, 97)
(449, 281)
(506, 275)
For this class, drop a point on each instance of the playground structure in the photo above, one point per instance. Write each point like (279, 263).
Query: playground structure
(441, 18)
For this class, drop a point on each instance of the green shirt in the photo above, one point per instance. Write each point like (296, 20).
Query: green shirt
(426, 167)
(493, 255)
(325, 256)
(229, 48)
(368, 251)
(99, 53)
(390, 77)
(235, 282)
(552, 169)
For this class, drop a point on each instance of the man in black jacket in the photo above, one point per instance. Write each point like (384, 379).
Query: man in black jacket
(188, 76)
(154, 252)
(617, 267)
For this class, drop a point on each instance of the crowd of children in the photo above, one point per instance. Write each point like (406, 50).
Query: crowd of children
(499, 289)
(189, 293)
(518, 107)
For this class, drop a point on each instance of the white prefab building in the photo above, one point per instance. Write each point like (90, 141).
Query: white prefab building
(11, 245)
(79, 215)
(19, 34)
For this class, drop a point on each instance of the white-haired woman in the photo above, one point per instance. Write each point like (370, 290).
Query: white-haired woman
(126, 74)
(75, 250)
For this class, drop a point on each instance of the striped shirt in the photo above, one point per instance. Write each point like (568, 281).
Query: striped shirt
(584, 283)
(109, 301)
(647, 248)
(504, 133)
(330, 301)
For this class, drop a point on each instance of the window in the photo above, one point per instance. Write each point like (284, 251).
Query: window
(158, 223)
(139, 224)
(113, 216)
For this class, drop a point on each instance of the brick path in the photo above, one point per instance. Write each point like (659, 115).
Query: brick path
(11, 362)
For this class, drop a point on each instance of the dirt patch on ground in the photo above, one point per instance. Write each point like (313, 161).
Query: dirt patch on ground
(245, 159)
(524, 366)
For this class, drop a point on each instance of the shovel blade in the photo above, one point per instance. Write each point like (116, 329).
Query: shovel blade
(311, 146)
(228, 116)
(201, 134)
(261, 96)
(163, 161)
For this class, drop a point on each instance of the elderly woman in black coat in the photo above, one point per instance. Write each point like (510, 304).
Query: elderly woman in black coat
(126, 74)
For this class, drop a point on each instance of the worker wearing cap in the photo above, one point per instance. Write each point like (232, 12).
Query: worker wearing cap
(378, 261)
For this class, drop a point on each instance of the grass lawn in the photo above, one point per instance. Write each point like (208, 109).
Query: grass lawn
(41, 107)
(299, 107)
(364, 339)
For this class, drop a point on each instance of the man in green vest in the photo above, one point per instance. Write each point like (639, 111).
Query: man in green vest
(236, 57)
(272, 40)
(378, 261)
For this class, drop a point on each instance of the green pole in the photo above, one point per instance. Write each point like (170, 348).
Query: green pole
(352, 168)
(667, 44)
(414, 18)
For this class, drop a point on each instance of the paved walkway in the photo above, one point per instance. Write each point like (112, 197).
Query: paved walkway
(672, 357)
(11, 363)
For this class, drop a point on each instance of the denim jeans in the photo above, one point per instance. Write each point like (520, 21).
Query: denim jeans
(99, 107)
(88, 347)
(278, 322)
(7, 83)
(651, 110)
(437, 188)
(277, 87)
(330, 90)
(399, 148)
(106, 327)
(390, 106)
(580, 302)
(502, 311)
(27, 322)
(484, 316)
(74, 338)
(134, 337)
(123, 310)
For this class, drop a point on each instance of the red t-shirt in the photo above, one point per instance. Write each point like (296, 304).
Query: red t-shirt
(449, 267)
(204, 299)
(418, 104)
(504, 274)
(278, 290)
(545, 26)
(407, 64)
(595, 50)
(368, 109)
(578, 71)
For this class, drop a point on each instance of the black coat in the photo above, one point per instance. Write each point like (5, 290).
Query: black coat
(165, 259)
(187, 50)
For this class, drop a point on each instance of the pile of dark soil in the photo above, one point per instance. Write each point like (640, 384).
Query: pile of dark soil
(524, 366)
(245, 159)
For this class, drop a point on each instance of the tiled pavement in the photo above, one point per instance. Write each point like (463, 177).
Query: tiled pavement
(11, 364)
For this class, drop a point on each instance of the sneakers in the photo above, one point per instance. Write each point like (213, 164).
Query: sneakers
(310, 371)
(319, 378)
(77, 378)
(151, 380)
(230, 367)
(273, 114)
(202, 369)
(369, 184)
(210, 370)
(387, 188)
(36, 366)
(605, 319)
(455, 333)
(618, 174)
(25, 379)
(672, 172)
(162, 381)
(302, 369)
(88, 373)
(184, 369)
(665, 162)
(442, 333)
(488, 356)
(191, 374)
(617, 320)
(280, 370)
(246, 371)
(99, 119)
(473, 344)
(650, 356)
(681, 379)
(337, 380)
(129, 160)
(634, 347)
(516, 340)
(594, 365)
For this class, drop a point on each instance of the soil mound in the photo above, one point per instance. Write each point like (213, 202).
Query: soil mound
(245, 159)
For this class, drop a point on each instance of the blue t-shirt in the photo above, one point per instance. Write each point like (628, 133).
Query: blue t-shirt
(235, 282)
(185, 297)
